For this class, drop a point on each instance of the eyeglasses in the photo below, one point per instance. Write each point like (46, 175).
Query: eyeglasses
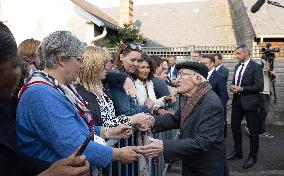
(78, 58)
(133, 46)
(183, 74)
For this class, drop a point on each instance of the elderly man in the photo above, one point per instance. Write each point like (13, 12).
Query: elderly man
(200, 145)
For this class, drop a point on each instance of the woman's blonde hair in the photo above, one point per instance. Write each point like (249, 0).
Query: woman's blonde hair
(94, 59)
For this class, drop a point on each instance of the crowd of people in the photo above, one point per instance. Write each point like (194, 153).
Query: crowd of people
(57, 91)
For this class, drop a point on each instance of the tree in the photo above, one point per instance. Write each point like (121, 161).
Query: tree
(124, 33)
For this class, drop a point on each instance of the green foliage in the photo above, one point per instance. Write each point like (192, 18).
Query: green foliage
(123, 33)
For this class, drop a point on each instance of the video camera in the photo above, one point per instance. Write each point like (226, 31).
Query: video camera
(269, 54)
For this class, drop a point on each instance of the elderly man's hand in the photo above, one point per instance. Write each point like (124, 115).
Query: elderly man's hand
(77, 166)
(170, 99)
(142, 121)
(152, 150)
(120, 131)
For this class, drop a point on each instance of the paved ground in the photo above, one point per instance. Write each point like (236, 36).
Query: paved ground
(270, 157)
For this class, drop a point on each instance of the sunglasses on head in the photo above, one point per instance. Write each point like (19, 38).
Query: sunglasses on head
(132, 46)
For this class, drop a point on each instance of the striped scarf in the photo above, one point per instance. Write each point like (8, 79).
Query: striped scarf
(68, 91)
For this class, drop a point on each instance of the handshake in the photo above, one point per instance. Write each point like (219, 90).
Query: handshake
(130, 154)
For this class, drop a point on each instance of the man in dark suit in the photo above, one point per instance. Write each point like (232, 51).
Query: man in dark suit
(220, 67)
(200, 145)
(218, 83)
(246, 85)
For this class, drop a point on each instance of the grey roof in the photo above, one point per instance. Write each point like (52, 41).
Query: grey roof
(268, 21)
(203, 23)
(89, 8)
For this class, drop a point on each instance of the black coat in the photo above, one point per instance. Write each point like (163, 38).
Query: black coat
(252, 83)
(91, 102)
(200, 145)
(12, 163)
(219, 86)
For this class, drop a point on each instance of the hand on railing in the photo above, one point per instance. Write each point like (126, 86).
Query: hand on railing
(154, 149)
(118, 132)
(125, 155)
(142, 121)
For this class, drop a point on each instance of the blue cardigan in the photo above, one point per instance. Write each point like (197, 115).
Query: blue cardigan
(49, 128)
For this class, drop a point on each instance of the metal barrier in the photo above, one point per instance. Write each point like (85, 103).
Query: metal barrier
(158, 168)
(184, 53)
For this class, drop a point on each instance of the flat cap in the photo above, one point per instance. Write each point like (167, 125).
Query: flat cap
(195, 66)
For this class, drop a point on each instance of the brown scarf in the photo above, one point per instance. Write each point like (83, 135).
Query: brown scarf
(190, 104)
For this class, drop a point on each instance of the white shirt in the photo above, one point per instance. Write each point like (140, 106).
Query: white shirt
(171, 71)
(217, 68)
(210, 73)
(239, 69)
(141, 94)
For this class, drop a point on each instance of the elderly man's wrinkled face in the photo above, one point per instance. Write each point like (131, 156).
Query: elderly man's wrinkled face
(186, 80)
(71, 68)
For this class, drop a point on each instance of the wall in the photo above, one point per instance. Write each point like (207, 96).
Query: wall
(38, 18)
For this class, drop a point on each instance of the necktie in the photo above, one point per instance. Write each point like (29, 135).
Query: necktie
(240, 75)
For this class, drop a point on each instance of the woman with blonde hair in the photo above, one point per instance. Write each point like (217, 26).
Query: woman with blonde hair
(96, 63)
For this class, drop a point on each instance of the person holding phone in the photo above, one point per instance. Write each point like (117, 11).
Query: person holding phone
(52, 118)
(12, 162)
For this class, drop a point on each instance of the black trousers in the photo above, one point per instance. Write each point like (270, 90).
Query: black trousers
(262, 113)
(238, 113)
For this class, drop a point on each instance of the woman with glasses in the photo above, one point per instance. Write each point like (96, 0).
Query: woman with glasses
(145, 88)
(97, 62)
(124, 97)
(52, 118)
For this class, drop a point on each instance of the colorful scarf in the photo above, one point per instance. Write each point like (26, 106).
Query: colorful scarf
(190, 104)
(68, 91)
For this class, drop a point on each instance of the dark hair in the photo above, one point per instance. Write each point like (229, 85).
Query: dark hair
(198, 52)
(209, 56)
(244, 47)
(124, 49)
(8, 45)
(218, 55)
(156, 61)
(24, 64)
(145, 58)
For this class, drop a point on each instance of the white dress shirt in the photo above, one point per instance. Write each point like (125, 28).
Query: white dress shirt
(217, 68)
(210, 73)
(238, 70)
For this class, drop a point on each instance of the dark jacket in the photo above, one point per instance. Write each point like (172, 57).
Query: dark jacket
(160, 87)
(200, 145)
(224, 72)
(124, 104)
(91, 102)
(252, 84)
(219, 86)
(12, 163)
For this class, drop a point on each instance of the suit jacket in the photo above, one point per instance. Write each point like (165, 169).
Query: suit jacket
(200, 145)
(219, 86)
(224, 72)
(12, 163)
(252, 84)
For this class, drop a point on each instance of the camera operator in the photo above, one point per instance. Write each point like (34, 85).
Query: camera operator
(269, 76)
